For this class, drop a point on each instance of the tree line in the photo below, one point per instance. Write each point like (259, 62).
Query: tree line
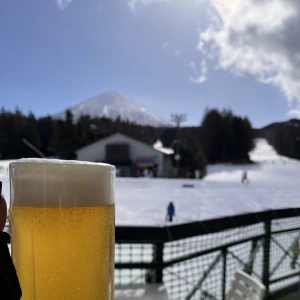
(222, 136)
(60, 138)
(284, 137)
(226, 137)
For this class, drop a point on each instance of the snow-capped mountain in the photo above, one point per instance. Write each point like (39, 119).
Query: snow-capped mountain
(113, 105)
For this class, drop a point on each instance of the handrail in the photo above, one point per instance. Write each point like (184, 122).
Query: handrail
(267, 250)
(164, 234)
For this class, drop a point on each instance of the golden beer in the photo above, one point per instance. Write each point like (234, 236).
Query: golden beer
(63, 229)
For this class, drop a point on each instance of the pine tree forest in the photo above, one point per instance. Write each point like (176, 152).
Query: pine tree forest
(221, 136)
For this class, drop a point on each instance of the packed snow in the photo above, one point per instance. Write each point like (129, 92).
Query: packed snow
(114, 105)
(274, 183)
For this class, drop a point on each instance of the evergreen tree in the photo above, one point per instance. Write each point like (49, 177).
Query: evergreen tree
(10, 133)
(210, 135)
(65, 139)
(5, 140)
(85, 130)
(225, 137)
(31, 134)
(45, 129)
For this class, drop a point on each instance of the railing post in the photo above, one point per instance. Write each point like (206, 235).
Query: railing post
(266, 254)
(158, 257)
(156, 275)
(249, 267)
(224, 271)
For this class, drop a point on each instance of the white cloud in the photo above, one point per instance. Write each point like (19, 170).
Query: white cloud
(257, 37)
(198, 2)
(199, 75)
(165, 47)
(203, 67)
(193, 65)
(178, 53)
(63, 3)
(294, 113)
(198, 80)
(133, 4)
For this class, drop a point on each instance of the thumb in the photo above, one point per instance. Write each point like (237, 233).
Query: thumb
(3, 213)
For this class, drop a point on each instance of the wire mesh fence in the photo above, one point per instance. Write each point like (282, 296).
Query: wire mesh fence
(199, 260)
(129, 254)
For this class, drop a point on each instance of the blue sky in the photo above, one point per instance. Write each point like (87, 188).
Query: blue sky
(54, 56)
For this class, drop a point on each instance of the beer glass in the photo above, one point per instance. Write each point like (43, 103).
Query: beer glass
(63, 229)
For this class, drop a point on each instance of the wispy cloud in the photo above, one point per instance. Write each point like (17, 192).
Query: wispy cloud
(198, 80)
(62, 4)
(257, 37)
(178, 52)
(294, 113)
(199, 75)
(133, 4)
(193, 66)
(165, 47)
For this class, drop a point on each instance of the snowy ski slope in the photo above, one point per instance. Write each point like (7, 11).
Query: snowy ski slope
(274, 183)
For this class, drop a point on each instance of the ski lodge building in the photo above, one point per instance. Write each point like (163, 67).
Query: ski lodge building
(131, 157)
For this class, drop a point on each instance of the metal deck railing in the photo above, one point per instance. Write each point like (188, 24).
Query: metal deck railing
(198, 260)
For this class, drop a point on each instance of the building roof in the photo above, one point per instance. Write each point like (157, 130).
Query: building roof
(158, 145)
(157, 148)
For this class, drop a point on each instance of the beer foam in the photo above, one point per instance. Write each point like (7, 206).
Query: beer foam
(61, 183)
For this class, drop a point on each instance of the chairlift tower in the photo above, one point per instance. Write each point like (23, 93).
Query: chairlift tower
(178, 119)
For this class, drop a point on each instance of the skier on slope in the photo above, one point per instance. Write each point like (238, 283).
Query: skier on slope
(245, 177)
(170, 211)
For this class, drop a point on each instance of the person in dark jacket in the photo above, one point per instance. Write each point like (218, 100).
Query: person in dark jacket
(9, 283)
(245, 177)
(170, 212)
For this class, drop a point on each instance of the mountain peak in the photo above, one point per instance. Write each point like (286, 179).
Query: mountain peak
(115, 105)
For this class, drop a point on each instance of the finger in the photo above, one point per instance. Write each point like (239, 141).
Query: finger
(3, 213)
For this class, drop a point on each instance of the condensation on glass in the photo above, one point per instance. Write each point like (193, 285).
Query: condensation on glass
(63, 221)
